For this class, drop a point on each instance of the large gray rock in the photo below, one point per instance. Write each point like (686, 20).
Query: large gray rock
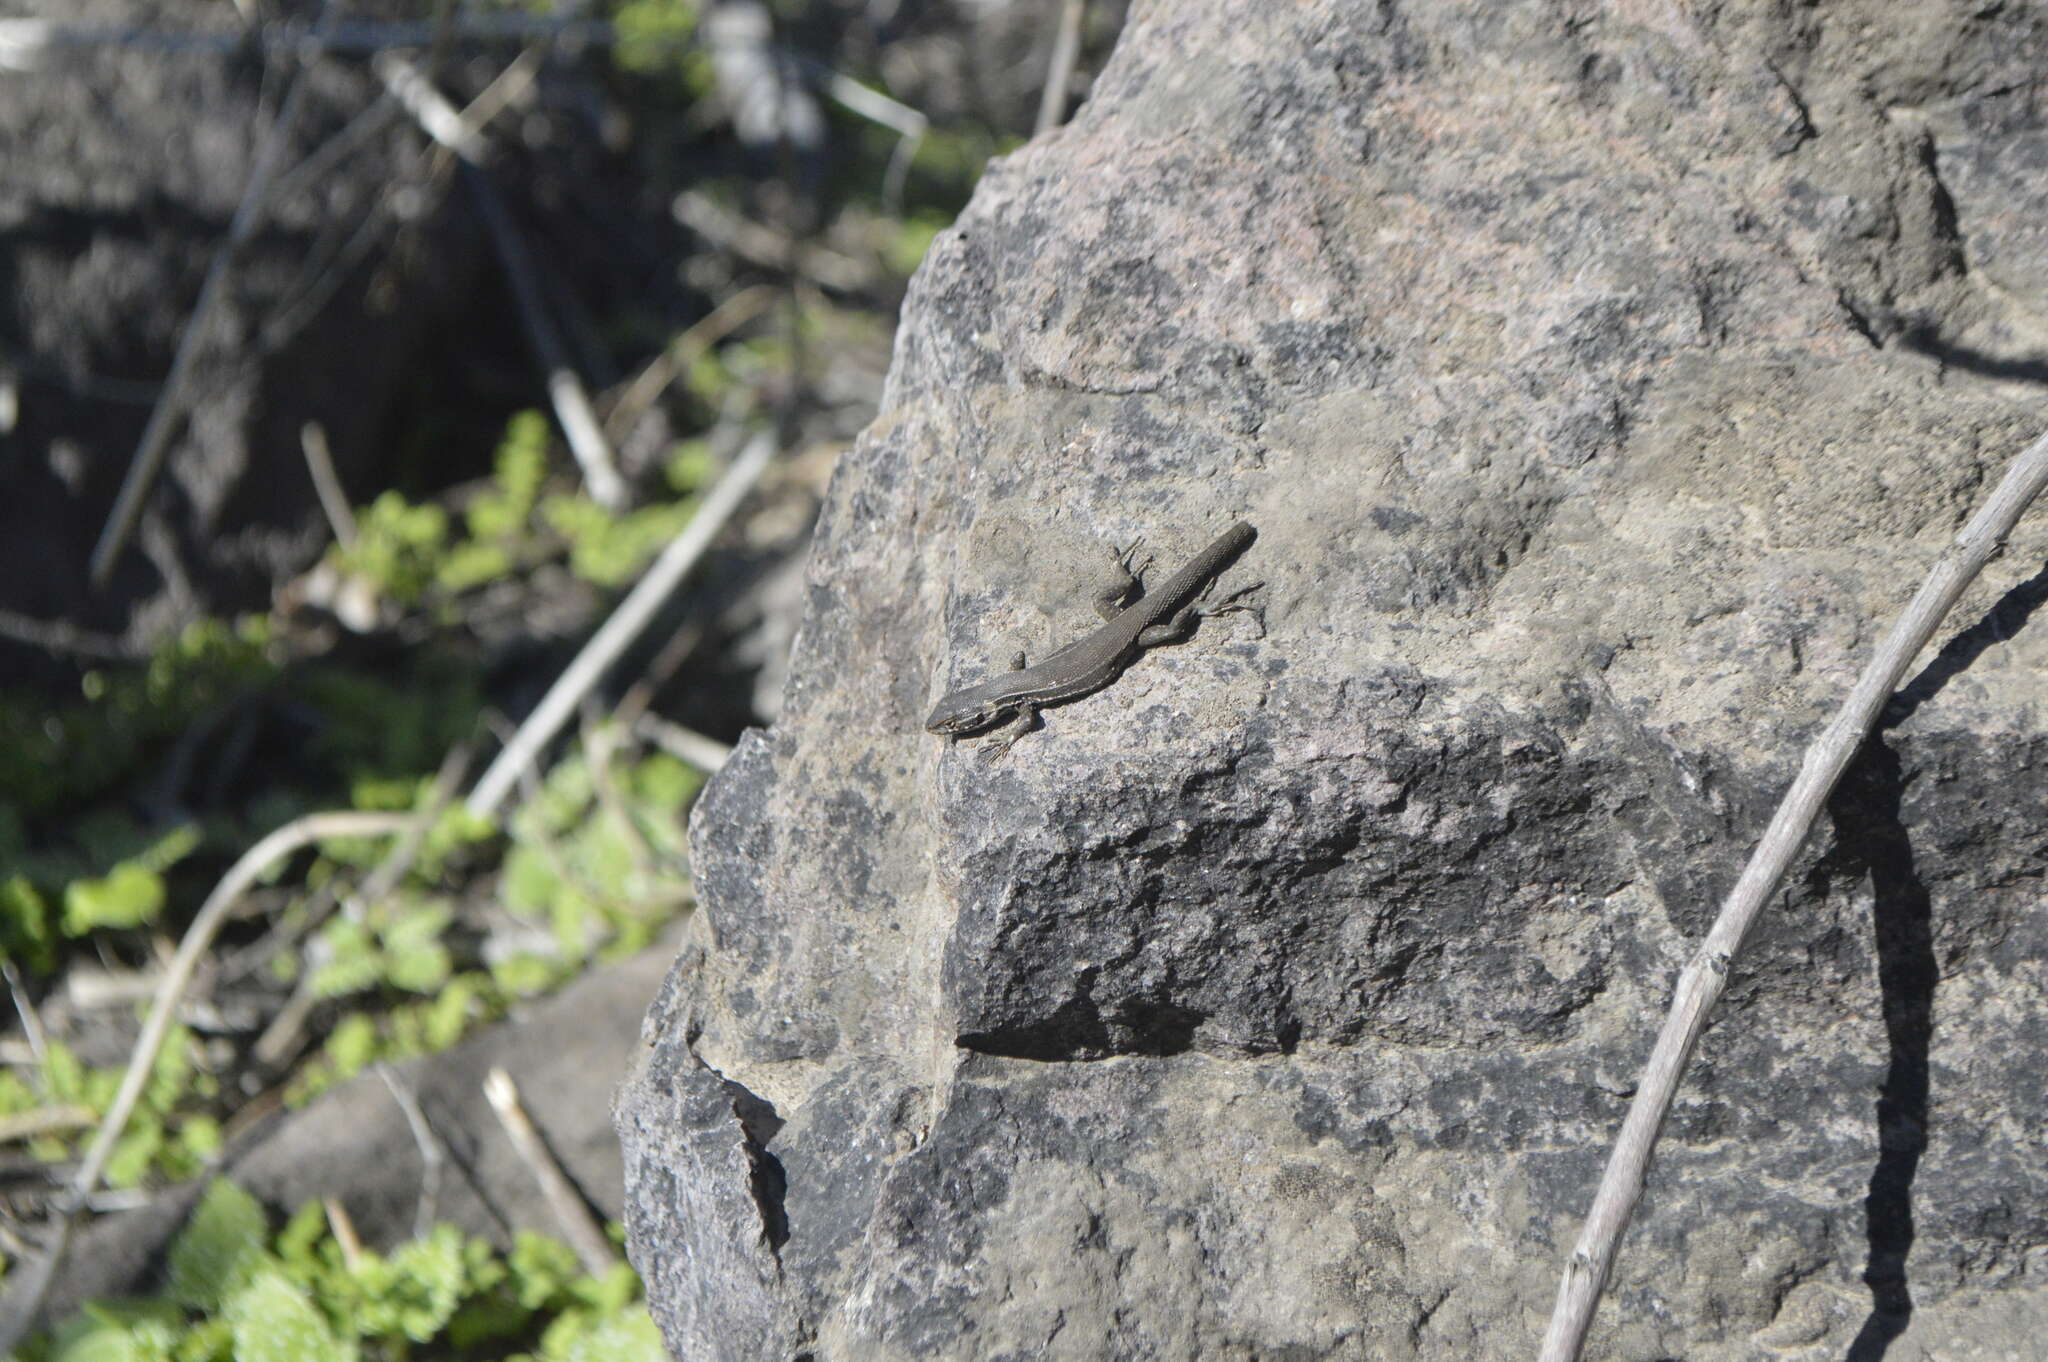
(1600, 383)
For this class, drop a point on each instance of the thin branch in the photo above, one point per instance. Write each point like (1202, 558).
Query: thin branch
(343, 1227)
(27, 1125)
(579, 1226)
(682, 352)
(769, 247)
(24, 42)
(354, 135)
(60, 636)
(432, 1157)
(322, 276)
(25, 1008)
(657, 673)
(1059, 75)
(148, 460)
(506, 89)
(301, 832)
(446, 125)
(907, 123)
(437, 118)
(281, 1037)
(625, 624)
(1701, 982)
(327, 483)
(685, 744)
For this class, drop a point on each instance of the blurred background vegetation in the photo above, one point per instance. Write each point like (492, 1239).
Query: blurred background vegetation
(718, 207)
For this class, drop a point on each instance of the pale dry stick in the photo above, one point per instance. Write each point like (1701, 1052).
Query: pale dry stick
(432, 1156)
(281, 1037)
(326, 274)
(148, 459)
(601, 743)
(437, 118)
(319, 163)
(327, 483)
(1701, 982)
(27, 1298)
(442, 122)
(343, 1227)
(570, 399)
(769, 247)
(507, 88)
(26, 1125)
(57, 636)
(682, 352)
(685, 744)
(1059, 74)
(24, 1008)
(579, 1226)
(25, 42)
(658, 672)
(907, 123)
(625, 624)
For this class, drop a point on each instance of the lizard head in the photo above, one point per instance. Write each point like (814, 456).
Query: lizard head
(958, 714)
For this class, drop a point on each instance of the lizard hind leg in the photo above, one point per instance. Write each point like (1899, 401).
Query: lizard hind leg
(1232, 604)
(1181, 622)
(1126, 577)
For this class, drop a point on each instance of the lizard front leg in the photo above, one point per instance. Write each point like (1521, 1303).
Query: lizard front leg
(999, 741)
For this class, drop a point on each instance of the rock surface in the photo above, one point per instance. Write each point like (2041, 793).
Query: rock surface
(1601, 381)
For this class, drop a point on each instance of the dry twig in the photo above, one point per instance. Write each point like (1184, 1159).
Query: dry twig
(625, 624)
(25, 1008)
(35, 1281)
(327, 483)
(579, 1226)
(907, 123)
(281, 1037)
(685, 744)
(1701, 982)
(769, 247)
(441, 121)
(1059, 75)
(432, 1157)
(26, 1125)
(682, 352)
(163, 418)
(60, 636)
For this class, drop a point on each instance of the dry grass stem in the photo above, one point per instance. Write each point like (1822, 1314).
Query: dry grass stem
(446, 125)
(624, 625)
(1059, 74)
(1701, 982)
(327, 483)
(148, 459)
(684, 744)
(432, 1157)
(26, 1299)
(579, 1226)
(281, 1037)
(675, 360)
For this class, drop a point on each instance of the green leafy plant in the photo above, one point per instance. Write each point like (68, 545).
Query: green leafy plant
(55, 756)
(237, 1293)
(132, 893)
(171, 1134)
(602, 877)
